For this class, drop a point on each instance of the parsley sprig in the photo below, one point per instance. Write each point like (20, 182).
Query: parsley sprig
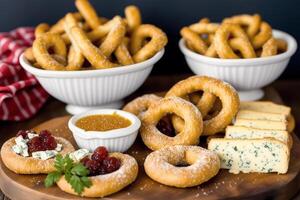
(75, 174)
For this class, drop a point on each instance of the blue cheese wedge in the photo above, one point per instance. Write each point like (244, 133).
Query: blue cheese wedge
(261, 124)
(249, 114)
(79, 154)
(251, 155)
(265, 106)
(253, 133)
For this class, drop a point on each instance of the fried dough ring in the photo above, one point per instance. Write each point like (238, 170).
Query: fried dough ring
(226, 93)
(88, 13)
(103, 185)
(204, 27)
(58, 27)
(223, 47)
(252, 23)
(122, 53)
(90, 52)
(133, 17)
(29, 55)
(114, 38)
(41, 29)
(161, 166)
(140, 105)
(30, 165)
(157, 42)
(281, 45)
(238, 44)
(189, 135)
(193, 40)
(40, 51)
(269, 48)
(265, 33)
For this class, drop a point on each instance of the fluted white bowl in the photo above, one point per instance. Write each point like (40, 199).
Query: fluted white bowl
(91, 89)
(248, 76)
(116, 140)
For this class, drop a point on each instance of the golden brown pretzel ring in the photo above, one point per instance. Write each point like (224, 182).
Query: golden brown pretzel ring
(40, 51)
(88, 13)
(161, 166)
(133, 17)
(193, 40)
(29, 55)
(114, 38)
(90, 51)
(41, 29)
(222, 45)
(238, 44)
(269, 48)
(189, 135)
(204, 27)
(281, 45)
(226, 93)
(265, 33)
(140, 105)
(122, 53)
(58, 27)
(252, 23)
(157, 42)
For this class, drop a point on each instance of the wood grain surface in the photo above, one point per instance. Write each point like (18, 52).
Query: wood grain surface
(144, 188)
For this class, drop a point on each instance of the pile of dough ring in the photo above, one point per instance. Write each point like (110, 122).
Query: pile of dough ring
(240, 36)
(82, 40)
(198, 105)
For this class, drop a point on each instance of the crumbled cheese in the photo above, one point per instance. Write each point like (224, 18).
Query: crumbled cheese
(31, 135)
(44, 155)
(58, 147)
(79, 154)
(21, 146)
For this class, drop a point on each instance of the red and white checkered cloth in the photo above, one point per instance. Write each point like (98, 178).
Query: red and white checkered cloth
(21, 96)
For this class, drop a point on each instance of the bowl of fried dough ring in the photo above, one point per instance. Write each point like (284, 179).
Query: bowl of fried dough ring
(92, 62)
(243, 50)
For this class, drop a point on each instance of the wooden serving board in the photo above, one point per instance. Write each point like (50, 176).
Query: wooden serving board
(223, 186)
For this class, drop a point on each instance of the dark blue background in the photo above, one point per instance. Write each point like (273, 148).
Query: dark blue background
(169, 15)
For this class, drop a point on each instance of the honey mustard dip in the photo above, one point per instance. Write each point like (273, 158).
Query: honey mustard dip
(103, 122)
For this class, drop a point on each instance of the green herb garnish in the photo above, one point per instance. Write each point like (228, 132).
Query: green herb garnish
(75, 174)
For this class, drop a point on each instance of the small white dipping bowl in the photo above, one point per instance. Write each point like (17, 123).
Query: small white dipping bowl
(248, 76)
(93, 89)
(117, 140)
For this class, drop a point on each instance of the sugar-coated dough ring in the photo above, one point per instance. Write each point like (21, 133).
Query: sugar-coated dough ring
(30, 165)
(41, 29)
(40, 51)
(281, 44)
(161, 166)
(194, 40)
(141, 104)
(189, 135)
(252, 22)
(269, 48)
(265, 33)
(88, 13)
(226, 93)
(291, 123)
(58, 27)
(29, 55)
(114, 38)
(222, 45)
(133, 17)
(238, 44)
(122, 53)
(157, 42)
(90, 51)
(204, 28)
(103, 185)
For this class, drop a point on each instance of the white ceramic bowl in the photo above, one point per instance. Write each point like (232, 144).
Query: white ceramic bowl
(248, 76)
(117, 140)
(92, 89)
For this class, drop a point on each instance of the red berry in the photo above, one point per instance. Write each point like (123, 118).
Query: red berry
(35, 144)
(93, 167)
(23, 133)
(101, 153)
(45, 133)
(84, 160)
(111, 164)
(49, 142)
